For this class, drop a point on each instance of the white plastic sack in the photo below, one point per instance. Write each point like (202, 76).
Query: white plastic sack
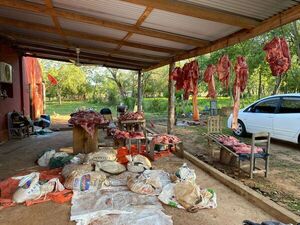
(60, 154)
(120, 179)
(111, 167)
(184, 173)
(138, 163)
(78, 159)
(107, 154)
(29, 187)
(83, 181)
(52, 185)
(45, 158)
(167, 196)
(150, 182)
(69, 168)
(192, 198)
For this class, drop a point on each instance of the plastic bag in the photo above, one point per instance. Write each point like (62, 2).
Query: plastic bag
(150, 182)
(184, 173)
(77, 159)
(108, 154)
(111, 167)
(192, 198)
(69, 168)
(45, 158)
(29, 188)
(83, 181)
(167, 196)
(138, 163)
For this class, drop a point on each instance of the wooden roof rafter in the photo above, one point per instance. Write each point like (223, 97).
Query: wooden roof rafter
(38, 8)
(199, 12)
(87, 36)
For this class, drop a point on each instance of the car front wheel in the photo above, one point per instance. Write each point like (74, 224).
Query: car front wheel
(241, 130)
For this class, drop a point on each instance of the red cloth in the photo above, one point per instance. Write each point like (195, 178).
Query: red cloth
(52, 79)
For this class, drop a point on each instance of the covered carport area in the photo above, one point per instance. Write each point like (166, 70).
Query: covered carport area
(141, 36)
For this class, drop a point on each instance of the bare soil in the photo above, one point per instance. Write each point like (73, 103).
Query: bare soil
(283, 183)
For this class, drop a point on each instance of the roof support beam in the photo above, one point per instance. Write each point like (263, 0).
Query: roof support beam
(56, 22)
(72, 55)
(33, 7)
(276, 21)
(199, 12)
(46, 41)
(93, 37)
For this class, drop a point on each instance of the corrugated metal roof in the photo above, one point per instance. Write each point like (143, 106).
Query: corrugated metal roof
(26, 16)
(257, 9)
(158, 42)
(187, 25)
(78, 41)
(91, 29)
(139, 50)
(111, 10)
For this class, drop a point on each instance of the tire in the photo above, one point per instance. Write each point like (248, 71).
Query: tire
(241, 130)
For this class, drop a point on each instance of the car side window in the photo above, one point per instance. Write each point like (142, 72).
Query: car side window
(290, 105)
(266, 106)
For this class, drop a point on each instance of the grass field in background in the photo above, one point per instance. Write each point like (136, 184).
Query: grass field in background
(153, 107)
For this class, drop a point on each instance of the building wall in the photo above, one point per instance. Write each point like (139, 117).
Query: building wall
(27, 87)
(11, 57)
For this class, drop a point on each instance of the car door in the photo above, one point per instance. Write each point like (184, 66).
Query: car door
(287, 120)
(260, 116)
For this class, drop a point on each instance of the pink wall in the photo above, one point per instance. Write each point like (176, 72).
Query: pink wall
(10, 56)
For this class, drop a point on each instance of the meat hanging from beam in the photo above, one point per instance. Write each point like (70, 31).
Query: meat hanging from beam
(210, 80)
(223, 70)
(240, 83)
(278, 56)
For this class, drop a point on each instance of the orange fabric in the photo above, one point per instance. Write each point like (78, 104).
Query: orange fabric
(9, 186)
(123, 151)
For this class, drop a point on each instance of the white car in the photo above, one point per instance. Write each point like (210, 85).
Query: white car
(277, 114)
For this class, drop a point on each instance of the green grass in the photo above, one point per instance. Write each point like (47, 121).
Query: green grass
(155, 108)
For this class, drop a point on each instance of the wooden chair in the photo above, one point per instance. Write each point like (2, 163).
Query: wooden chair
(213, 127)
(258, 140)
(17, 129)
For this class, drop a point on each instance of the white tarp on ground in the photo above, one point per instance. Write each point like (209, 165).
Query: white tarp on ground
(117, 205)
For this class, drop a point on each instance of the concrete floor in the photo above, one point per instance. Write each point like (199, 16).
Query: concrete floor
(18, 155)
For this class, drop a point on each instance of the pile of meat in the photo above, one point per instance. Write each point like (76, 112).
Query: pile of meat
(187, 78)
(165, 139)
(209, 79)
(88, 120)
(132, 116)
(121, 134)
(240, 83)
(278, 56)
(237, 146)
(223, 70)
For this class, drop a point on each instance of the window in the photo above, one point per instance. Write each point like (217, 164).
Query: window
(266, 106)
(290, 105)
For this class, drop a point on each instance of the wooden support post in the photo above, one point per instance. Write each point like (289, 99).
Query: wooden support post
(171, 100)
(140, 92)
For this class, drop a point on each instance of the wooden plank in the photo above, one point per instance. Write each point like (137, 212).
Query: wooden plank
(31, 40)
(83, 142)
(75, 16)
(82, 35)
(199, 12)
(171, 101)
(276, 21)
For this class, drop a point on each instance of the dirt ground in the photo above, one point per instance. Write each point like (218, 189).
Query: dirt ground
(20, 155)
(282, 185)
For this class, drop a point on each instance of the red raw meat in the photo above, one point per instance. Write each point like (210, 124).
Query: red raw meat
(278, 56)
(165, 139)
(209, 79)
(178, 77)
(223, 70)
(132, 116)
(87, 120)
(240, 83)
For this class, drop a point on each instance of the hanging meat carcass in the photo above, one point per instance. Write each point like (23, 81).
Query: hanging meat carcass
(240, 83)
(209, 79)
(177, 76)
(223, 70)
(278, 56)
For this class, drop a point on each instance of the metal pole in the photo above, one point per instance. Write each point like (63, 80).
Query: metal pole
(140, 95)
(171, 100)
